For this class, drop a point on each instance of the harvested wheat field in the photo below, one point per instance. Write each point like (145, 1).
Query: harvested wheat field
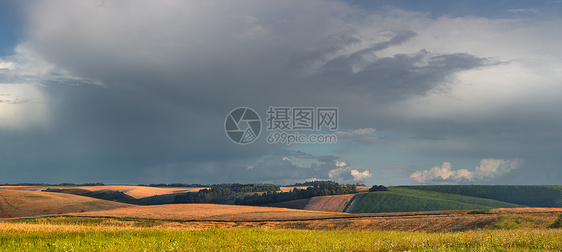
(332, 203)
(136, 192)
(293, 204)
(290, 188)
(527, 210)
(426, 223)
(409, 223)
(363, 188)
(210, 212)
(245, 218)
(18, 203)
(24, 188)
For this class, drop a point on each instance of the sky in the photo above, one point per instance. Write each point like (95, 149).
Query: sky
(412, 92)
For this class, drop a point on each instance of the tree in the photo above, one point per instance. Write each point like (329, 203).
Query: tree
(378, 188)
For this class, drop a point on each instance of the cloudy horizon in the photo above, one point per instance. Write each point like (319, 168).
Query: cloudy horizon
(135, 92)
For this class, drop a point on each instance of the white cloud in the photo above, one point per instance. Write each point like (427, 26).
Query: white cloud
(346, 174)
(341, 164)
(360, 176)
(7, 65)
(443, 172)
(464, 174)
(488, 168)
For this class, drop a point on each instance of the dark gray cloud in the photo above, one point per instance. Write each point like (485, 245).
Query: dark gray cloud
(145, 101)
(392, 79)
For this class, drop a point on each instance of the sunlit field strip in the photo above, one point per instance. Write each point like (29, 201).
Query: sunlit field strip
(71, 237)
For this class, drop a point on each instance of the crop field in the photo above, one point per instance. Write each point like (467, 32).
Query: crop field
(528, 195)
(289, 188)
(75, 234)
(211, 212)
(404, 199)
(18, 203)
(332, 203)
(136, 192)
(34, 220)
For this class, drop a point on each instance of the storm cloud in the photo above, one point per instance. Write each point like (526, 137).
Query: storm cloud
(138, 92)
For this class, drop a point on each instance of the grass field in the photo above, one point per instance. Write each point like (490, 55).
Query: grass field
(405, 199)
(527, 195)
(108, 235)
(77, 223)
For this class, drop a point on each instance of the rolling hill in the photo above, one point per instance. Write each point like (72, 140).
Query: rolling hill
(20, 203)
(136, 192)
(531, 196)
(31, 200)
(406, 199)
(330, 203)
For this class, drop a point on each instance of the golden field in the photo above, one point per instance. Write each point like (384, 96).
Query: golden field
(33, 220)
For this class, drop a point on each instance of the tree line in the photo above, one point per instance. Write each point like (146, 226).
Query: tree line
(217, 191)
(295, 194)
(318, 183)
(267, 193)
(175, 185)
(378, 188)
(234, 187)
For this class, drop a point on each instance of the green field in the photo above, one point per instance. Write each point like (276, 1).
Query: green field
(531, 196)
(524, 229)
(95, 237)
(408, 199)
